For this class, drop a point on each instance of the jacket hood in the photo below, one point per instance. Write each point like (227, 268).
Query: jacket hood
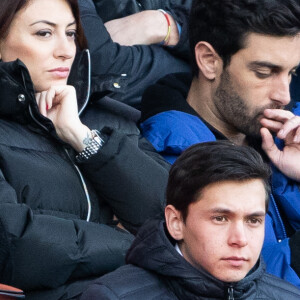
(153, 250)
(16, 89)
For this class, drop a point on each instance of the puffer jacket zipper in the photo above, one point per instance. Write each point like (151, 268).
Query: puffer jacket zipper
(68, 155)
(87, 195)
(230, 293)
(74, 165)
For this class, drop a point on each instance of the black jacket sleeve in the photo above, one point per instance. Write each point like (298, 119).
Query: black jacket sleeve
(143, 64)
(47, 251)
(127, 171)
(132, 182)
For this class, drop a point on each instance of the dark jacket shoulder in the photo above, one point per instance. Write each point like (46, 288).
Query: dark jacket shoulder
(272, 287)
(129, 283)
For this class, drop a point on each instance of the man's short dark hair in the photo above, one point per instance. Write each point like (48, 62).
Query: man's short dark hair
(208, 163)
(226, 23)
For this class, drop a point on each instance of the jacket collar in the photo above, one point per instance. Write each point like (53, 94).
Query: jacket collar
(17, 92)
(15, 81)
(153, 250)
(80, 78)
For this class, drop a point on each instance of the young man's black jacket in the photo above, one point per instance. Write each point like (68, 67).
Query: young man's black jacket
(49, 249)
(157, 271)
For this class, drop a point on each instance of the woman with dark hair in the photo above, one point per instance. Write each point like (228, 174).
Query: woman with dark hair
(63, 184)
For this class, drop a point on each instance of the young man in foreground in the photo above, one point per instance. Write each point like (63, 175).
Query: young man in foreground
(209, 245)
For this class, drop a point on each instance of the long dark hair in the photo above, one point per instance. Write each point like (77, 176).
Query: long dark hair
(9, 8)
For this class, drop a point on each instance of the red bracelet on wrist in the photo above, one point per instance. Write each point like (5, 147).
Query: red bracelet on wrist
(166, 39)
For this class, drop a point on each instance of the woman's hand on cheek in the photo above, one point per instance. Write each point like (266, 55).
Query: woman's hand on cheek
(59, 104)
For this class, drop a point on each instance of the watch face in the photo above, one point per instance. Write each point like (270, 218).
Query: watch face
(95, 143)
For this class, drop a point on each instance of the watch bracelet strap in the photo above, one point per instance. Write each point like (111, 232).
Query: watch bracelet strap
(96, 142)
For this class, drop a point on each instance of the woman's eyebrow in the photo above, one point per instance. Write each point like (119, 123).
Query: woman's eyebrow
(51, 23)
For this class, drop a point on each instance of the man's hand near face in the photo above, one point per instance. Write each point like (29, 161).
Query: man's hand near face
(286, 125)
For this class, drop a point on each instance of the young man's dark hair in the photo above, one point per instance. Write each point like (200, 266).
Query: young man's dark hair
(207, 163)
(215, 252)
(225, 23)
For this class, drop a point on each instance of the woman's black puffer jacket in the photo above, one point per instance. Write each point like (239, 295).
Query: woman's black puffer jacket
(46, 199)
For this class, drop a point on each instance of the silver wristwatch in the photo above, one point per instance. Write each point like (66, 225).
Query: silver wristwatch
(93, 145)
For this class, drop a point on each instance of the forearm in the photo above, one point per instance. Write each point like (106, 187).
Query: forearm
(147, 27)
(136, 61)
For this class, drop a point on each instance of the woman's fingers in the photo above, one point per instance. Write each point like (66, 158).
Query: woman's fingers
(46, 100)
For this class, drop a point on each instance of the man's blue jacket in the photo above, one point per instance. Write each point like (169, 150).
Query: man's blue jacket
(172, 131)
